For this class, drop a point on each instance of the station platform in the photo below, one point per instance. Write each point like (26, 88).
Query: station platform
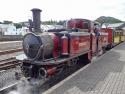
(106, 75)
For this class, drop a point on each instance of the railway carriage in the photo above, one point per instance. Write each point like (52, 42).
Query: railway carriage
(123, 36)
(110, 36)
(117, 36)
(114, 36)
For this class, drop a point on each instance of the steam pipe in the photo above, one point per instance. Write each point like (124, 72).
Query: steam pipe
(43, 73)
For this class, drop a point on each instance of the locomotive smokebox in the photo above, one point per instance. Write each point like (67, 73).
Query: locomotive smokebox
(36, 19)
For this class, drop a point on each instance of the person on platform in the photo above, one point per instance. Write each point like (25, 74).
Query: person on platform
(97, 34)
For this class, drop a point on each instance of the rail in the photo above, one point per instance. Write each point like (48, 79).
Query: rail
(8, 64)
(5, 52)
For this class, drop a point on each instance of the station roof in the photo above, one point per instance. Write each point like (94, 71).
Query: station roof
(114, 26)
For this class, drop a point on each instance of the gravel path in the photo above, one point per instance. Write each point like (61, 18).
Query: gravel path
(8, 77)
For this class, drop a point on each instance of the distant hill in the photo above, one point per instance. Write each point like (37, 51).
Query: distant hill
(104, 19)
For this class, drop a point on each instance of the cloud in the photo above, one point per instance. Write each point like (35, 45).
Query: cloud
(19, 10)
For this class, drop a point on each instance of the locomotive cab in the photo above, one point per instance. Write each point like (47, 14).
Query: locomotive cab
(77, 24)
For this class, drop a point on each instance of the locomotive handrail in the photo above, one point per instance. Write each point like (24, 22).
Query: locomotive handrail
(83, 30)
(38, 53)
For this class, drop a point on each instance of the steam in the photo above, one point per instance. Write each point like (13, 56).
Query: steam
(22, 88)
(14, 92)
(28, 87)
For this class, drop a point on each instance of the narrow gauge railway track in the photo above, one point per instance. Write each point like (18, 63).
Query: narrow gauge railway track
(5, 52)
(42, 85)
(45, 85)
(8, 64)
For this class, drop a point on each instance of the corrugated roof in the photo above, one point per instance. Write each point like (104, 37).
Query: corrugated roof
(115, 25)
(121, 26)
(48, 27)
(5, 25)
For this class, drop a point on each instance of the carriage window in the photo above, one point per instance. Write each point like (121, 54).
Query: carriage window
(86, 25)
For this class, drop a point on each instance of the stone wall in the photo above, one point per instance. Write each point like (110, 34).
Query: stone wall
(11, 37)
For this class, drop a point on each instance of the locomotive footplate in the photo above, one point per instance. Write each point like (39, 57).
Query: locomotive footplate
(54, 61)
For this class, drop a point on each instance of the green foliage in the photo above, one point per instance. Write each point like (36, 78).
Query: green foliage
(61, 22)
(18, 25)
(110, 20)
(25, 24)
(7, 22)
(51, 22)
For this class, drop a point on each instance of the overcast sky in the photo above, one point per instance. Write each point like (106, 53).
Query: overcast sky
(19, 10)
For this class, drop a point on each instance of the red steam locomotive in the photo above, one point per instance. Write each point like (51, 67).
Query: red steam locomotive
(48, 52)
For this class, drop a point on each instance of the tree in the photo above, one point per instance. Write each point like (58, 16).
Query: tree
(51, 22)
(7, 22)
(61, 22)
(104, 19)
(18, 25)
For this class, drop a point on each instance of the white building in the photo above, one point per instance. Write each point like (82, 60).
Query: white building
(48, 27)
(23, 30)
(8, 29)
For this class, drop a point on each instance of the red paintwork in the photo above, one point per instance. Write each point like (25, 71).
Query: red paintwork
(77, 23)
(64, 45)
(79, 44)
(100, 43)
(93, 43)
(56, 45)
(74, 45)
(104, 39)
(110, 34)
(90, 55)
(51, 71)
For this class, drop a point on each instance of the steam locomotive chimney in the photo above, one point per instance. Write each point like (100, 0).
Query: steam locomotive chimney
(36, 19)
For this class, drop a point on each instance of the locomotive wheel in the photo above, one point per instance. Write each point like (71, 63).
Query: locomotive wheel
(72, 62)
